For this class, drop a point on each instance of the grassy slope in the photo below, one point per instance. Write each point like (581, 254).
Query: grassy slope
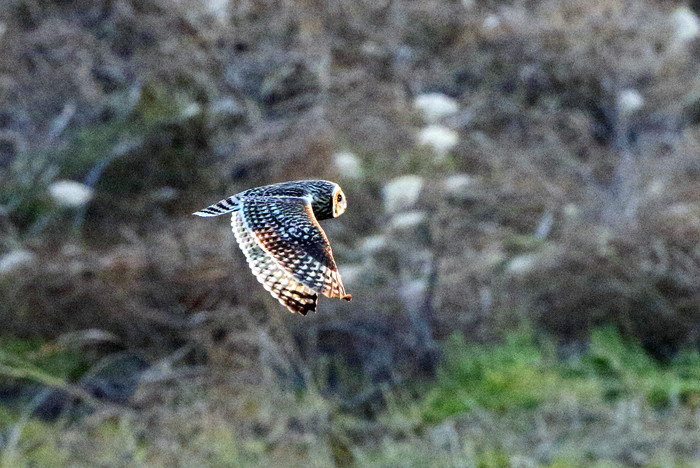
(511, 404)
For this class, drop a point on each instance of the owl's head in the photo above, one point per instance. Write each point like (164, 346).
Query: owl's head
(340, 202)
(327, 198)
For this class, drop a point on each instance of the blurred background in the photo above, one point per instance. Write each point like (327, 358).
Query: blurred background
(521, 240)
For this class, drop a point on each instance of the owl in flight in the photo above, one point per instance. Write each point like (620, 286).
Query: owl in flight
(277, 229)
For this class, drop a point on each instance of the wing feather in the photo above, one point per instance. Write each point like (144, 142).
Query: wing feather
(221, 207)
(286, 228)
(292, 294)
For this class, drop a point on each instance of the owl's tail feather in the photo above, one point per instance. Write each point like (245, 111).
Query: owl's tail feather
(226, 205)
(334, 286)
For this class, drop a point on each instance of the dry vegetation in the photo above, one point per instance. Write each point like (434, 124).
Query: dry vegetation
(569, 201)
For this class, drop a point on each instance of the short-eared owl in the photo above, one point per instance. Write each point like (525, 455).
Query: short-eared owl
(277, 229)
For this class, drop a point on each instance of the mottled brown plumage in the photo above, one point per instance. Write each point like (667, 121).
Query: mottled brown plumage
(276, 227)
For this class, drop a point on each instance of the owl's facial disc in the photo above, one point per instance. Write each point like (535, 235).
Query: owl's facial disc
(340, 202)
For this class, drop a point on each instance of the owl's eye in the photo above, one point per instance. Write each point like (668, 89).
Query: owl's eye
(340, 197)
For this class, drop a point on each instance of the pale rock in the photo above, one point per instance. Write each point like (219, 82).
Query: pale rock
(79, 338)
(372, 49)
(490, 258)
(165, 194)
(219, 8)
(522, 264)
(402, 193)
(15, 260)
(457, 184)
(410, 229)
(373, 244)
(190, 110)
(485, 298)
(413, 292)
(74, 266)
(680, 209)
(347, 164)
(435, 106)
(686, 25)
(684, 215)
(445, 437)
(657, 187)
(407, 221)
(491, 22)
(70, 194)
(629, 101)
(571, 211)
(440, 138)
(226, 107)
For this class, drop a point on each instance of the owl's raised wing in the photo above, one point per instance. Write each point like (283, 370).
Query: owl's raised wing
(286, 228)
(288, 291)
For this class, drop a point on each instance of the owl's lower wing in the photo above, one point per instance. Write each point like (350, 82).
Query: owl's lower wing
(286, 228)
(288, 291)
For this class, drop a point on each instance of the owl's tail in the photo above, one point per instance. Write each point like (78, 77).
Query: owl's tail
(226, 205)
(334, 286)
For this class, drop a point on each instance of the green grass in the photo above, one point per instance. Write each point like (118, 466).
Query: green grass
(27, 358)
(497, 378)
(624, 369)
(521, 374)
